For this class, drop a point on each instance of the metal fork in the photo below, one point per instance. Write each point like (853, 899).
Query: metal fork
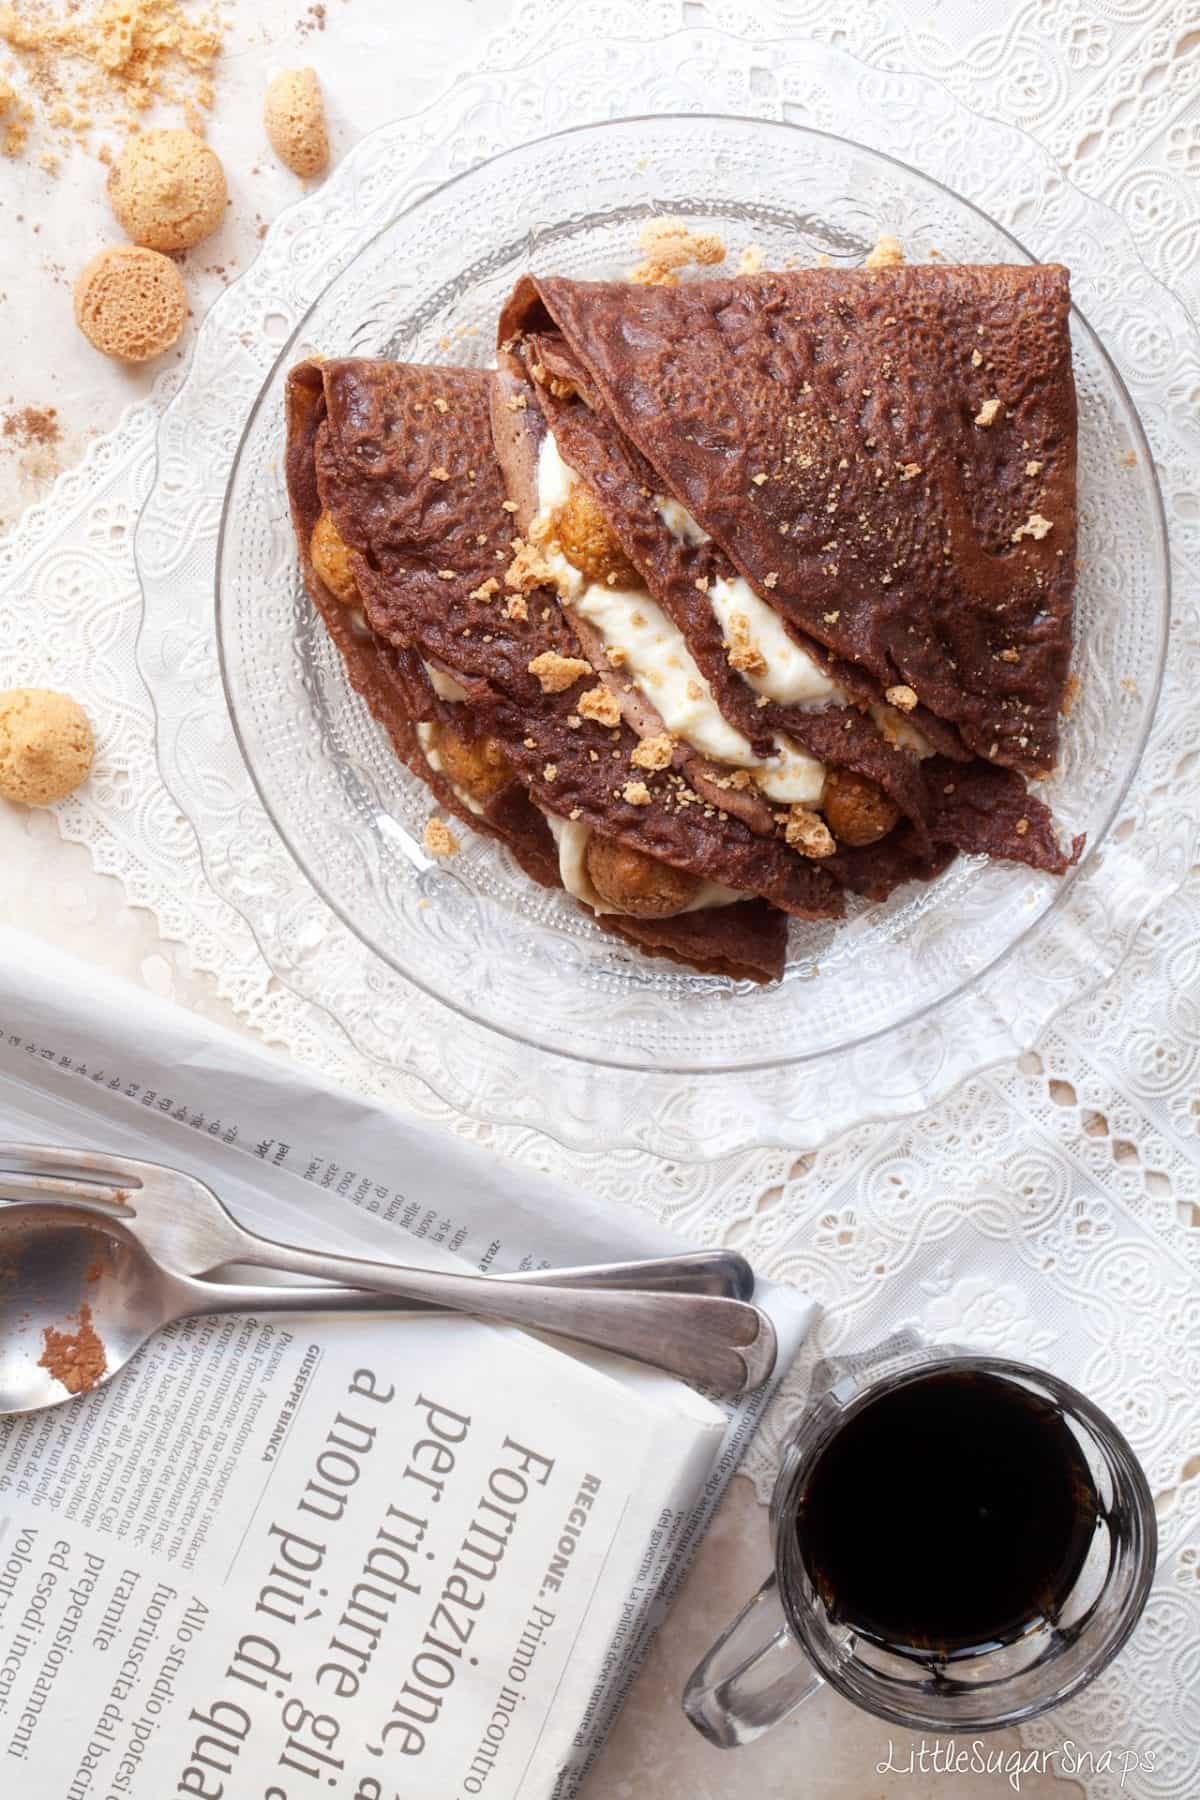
(706, 1337)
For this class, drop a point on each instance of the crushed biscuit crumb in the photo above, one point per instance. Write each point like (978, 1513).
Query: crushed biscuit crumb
(902, 697)
(976, 358)
(528, 568)
(1034, 468)
(668, 245)
(1022, 826)
(741, 652)
(751, 260)
(549, 771)
(515, 607)
(1035, 526)
(760, 478)
(908, 470)
(556, 673)
(887, 254)
(654, 752)
(447, 574)
(440, 473)
(601, 704)
(808, 833)
(988, 413)
(438, 838)
(486, 589)
(636, 793)
(769, 581)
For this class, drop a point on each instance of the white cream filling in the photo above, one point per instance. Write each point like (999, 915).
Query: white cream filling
(791, 676)
(659, 663)
(443, 685)
(899, 730)
(429, 751)
(571, 837)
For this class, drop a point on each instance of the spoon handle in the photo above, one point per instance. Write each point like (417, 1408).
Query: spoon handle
(723, 1344)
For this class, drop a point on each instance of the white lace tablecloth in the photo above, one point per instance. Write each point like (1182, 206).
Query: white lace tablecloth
(1049, 1209)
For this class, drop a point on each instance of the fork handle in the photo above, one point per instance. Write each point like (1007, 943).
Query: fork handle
(719, 1343)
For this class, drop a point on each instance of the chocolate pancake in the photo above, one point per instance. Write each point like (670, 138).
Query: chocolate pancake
(401, 461)
(887, 456)
(549, 389)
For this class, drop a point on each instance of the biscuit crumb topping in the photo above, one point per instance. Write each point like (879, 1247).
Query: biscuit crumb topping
(439, 473)
(1034, 468)
(741, 652)
(751, 260)
(887, 254)
(1035, 526)
(654, 752)
(486, 589)
(556, 673)
(1022, 826)
(601, 704)
(988, 413)
(636, 793)
(902, 697)
(528, 568)
(808, 833)
(438, 838)
(668, 245)
(908, 470)
(976, 358)
(515, 607)
(549, 771)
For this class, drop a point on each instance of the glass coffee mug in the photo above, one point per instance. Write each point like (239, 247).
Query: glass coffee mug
(961, 1542)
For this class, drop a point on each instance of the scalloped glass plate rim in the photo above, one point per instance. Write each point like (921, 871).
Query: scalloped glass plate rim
(787, 1059)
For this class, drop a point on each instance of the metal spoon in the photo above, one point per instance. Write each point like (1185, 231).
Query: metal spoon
(66, 1273)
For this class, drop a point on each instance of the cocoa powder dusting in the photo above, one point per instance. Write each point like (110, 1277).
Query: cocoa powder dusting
(76, 1358)
(29, 426)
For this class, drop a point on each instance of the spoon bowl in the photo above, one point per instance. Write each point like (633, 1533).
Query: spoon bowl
(78, 1298)
(80, 1295)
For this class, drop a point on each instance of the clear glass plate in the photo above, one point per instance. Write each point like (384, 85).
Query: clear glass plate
(465, 981)
(478, 934)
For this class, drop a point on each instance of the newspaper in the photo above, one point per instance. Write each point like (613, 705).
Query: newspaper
(305, 1553)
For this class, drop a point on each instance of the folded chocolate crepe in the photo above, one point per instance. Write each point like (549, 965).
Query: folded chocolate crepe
(889, 453)
(702, 619)
(406, 540)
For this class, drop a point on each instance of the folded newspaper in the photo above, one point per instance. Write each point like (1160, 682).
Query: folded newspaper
(362, 1556)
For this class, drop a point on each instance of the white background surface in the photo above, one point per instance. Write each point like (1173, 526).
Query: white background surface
(1110, 88)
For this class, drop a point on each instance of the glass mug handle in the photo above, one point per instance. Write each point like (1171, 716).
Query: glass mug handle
(754, 1675)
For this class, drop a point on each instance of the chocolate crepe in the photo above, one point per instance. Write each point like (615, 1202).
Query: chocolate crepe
(632, 441)
(888, 456)
(401, 459)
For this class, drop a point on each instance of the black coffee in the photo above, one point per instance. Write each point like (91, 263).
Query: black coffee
(949, 1514)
